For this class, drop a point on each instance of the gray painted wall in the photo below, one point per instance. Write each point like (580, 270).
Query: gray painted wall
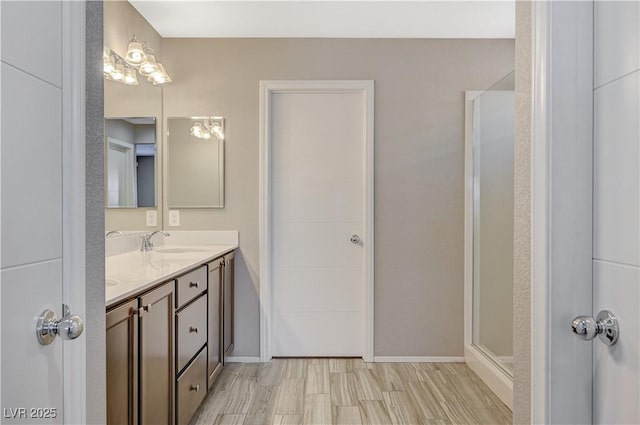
(522, 218)
(419, 202)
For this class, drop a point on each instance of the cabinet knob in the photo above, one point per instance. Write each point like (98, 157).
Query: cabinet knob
(193, 284)
(195, 388)
(193, 329)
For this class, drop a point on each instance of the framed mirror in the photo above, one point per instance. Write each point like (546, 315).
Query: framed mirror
(195, 162)
(130, 144)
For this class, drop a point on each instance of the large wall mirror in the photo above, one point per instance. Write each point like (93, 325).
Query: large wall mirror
(195, 162)
(130, 144)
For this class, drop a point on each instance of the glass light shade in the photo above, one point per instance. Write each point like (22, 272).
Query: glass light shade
(107, 62)
(160, 76)
(118, 73)
(130, 77)
(135, 53)
(150, 66)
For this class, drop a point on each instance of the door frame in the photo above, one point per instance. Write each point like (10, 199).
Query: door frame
(561, 209)
(267, 89)
(74, 207)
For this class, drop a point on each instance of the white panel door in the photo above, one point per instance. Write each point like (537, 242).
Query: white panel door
(34, 256)
(318, 198)
(616, 210)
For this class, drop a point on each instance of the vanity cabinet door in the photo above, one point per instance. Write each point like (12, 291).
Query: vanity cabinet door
(228, 290)
(157, 377)
(214, 343)
(122, 364)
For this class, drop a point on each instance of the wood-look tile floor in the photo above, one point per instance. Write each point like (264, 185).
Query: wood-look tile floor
(349, 391)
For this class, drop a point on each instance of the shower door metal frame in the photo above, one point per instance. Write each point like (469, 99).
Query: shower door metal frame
(487, 369)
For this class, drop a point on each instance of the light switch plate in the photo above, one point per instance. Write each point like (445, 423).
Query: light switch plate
(152, 218)
(174, 218)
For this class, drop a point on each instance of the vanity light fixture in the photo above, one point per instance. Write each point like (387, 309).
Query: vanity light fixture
(135, 53)
(139, 58)
(208, 128)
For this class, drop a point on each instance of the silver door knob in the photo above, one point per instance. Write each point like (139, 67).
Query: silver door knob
(355, 239)
(48, 326)
(605, 325)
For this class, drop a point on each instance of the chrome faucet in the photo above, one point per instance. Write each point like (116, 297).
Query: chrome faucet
(147, 244)
(113, 233)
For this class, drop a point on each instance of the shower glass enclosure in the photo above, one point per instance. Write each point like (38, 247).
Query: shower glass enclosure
(492, 276)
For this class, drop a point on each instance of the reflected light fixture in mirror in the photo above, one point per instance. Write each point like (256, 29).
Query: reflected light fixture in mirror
(208, 128)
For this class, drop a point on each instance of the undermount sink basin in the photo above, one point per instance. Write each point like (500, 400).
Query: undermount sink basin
(112, 282)
(179, 250)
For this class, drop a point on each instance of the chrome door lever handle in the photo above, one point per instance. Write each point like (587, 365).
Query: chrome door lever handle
(605, 325)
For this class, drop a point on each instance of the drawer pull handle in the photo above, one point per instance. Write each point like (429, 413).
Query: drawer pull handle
(195, 388)
(193, 329)
(193, 284)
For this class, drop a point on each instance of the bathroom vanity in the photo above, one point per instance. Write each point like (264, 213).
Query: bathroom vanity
(169, 326)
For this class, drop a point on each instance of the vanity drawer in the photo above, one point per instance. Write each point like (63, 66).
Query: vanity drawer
(191, 388)
(190, 286)
(191, 326)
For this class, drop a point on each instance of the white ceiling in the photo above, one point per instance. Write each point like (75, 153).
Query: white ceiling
(323, 19)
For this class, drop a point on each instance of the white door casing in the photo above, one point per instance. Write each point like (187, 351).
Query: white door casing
(586, 215)
(278, 96)
(43, 159)
(561, 227)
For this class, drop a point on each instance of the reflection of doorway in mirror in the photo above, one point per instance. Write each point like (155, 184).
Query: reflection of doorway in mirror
(121, 185)
(145, 174)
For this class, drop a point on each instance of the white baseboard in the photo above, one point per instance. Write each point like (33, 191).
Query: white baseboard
(496, 379)
(404, 359)
(238, 359)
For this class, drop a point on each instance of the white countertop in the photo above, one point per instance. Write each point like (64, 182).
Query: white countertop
(133, 272)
